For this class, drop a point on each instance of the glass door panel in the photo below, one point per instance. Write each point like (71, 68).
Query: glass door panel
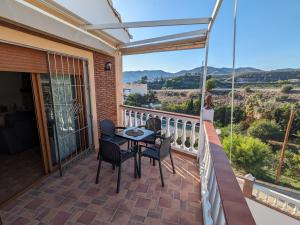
(67, 106)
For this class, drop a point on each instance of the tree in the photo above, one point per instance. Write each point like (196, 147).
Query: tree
(286, 89)
(281, 116)
(248, 153)
(265, 130)
(135, 100)
(151, 97)
(248, 89)
(211, 84)
(223, 113)
(292, 165)
(144, 80)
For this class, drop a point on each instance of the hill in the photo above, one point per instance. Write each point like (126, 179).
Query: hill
(132, 76)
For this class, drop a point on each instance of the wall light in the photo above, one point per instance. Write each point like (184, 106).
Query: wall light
(108, 66)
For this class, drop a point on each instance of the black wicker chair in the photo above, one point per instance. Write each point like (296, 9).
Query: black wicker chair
(159, 154)
(108, 130)
(112, 153)
(153, 124)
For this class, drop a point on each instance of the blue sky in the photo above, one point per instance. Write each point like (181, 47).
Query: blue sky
(268, 33)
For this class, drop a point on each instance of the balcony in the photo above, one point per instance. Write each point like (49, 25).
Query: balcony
(199, 193)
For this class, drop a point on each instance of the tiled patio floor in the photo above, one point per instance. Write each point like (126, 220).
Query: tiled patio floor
(76, 199)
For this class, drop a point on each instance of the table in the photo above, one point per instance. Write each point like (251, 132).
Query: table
(136, 140)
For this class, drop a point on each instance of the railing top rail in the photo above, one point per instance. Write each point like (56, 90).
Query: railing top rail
(235, 207)
(162, 112)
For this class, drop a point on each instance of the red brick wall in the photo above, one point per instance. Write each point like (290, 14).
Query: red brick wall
(105, 88)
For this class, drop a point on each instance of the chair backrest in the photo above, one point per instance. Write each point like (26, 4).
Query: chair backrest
(107, 127)
(153, 124)
(165, 147)
(110, 152)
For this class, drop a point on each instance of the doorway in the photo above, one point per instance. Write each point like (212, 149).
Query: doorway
(21, 160)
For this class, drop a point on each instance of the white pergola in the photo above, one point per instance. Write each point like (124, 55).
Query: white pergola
(181, 41)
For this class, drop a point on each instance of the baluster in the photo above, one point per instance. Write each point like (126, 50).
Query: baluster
(142, 117)
(295, 210)
(135, 119)
(168, 133)
(257, 194)
(267, 198)
(176, 131)
(147, 117)
(130, 119)
(162, 131)
(284, 206)
(193, 134)
(275, 202)
(184, 134)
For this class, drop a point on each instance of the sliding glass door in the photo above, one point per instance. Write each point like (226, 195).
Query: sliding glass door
(67, 107)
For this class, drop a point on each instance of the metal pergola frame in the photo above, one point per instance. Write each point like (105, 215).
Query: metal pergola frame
(181, 41)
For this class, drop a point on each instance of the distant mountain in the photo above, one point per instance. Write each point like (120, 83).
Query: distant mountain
(132, 76)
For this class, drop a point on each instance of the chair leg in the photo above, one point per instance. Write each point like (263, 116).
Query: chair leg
(140, 165)
(161, 174)
(98, 156)
(153, 162)
(135, 166)
(113, 166)
(119, 179)
(171, 157)
(98, 170)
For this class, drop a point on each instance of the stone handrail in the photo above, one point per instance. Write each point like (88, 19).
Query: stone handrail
(223, 202)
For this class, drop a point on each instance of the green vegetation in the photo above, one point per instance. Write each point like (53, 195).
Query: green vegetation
(249, 154)
(265, 130)
(211, 84)
(139, 100)
(286, 89)
(144, 80)
(260, 119)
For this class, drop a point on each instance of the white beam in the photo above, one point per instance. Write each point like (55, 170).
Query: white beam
(189, 43)
(156, 23)
(198, 33)
(214, 14)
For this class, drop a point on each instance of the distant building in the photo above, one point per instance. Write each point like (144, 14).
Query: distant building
(134, 89)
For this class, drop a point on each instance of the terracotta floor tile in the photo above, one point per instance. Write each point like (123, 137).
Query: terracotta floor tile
(165, 202)
(60, 218)
(143, 203)
(120, 218)
(75, 198)
(87, 217)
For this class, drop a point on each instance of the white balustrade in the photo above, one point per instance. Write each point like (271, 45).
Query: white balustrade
(172, 124)
(277, 200)
(213, 213)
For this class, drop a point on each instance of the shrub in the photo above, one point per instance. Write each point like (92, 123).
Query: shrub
(265, 130)
(286, 89)
(248, 153)
(282, 98)
(292, 165)
(248, 89)
(223, 113)
(211, 84)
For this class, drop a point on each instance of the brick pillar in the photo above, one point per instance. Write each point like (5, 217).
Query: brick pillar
(248, 185)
